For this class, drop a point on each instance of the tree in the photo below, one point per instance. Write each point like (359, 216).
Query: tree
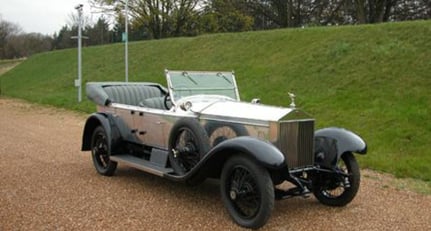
(63, 39)
(269, 14)
(99, 33)
(167, 18)
(373, 11)
(225, 16)
(411, 10)
(7, 29)
(161, 18)
(25, 45)
(16, 44)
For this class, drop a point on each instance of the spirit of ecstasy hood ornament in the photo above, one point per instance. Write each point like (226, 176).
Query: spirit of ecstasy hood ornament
(292, 99)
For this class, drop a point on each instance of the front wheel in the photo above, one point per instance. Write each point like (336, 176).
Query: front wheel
(188, 143)
(247, 192)
(339, 187)
(100, 153)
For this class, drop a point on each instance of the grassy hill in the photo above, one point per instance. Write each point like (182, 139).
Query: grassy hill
(372, 79)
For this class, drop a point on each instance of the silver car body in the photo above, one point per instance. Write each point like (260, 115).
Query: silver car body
(212, 97)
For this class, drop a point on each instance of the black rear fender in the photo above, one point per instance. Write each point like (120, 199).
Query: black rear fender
(95, 120)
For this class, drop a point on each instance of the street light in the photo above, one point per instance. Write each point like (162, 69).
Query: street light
(78, 82)
(126, 48)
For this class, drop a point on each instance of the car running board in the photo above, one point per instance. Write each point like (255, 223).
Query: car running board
(141, 164)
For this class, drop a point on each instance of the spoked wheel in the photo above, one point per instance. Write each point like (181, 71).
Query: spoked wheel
(188, 143)
(340, 187)
(247, 192)
(100, 153)
(186, 149)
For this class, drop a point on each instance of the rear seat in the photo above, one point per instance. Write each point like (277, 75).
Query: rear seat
(135, 95)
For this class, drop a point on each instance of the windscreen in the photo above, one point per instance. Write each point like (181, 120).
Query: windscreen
(202, 83)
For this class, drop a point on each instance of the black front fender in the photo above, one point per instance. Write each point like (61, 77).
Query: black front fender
(346, 141)
(331, 143)
(262, 152)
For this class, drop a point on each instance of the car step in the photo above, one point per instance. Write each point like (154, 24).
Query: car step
(141, 164)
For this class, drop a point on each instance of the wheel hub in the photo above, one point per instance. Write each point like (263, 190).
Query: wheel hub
(232, 195)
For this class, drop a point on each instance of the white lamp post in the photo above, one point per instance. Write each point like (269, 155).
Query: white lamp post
(78, 82)
(126, 49)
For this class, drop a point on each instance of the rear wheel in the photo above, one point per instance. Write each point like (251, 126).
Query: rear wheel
(100, 153)
(247, 192)
(340, 187)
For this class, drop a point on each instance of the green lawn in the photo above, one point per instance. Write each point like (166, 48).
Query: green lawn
(372, 79)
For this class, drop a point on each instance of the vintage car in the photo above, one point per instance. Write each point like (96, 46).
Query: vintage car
(198, 128)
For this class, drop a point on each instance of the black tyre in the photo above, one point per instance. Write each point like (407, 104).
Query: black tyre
(220, 131)
(247, 192)
(338, 189)
(188, 143)
(100, 153)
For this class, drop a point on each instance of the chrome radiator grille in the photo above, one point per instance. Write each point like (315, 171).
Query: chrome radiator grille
(295, 140)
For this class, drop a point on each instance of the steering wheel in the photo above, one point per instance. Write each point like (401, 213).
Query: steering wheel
(165, 101)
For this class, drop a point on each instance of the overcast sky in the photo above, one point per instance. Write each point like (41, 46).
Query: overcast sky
(43, 16)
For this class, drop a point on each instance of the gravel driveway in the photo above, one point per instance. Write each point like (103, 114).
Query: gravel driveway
(47, 183)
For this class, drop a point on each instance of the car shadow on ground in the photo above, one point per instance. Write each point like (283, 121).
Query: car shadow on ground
(209, 187)
(208, 191)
